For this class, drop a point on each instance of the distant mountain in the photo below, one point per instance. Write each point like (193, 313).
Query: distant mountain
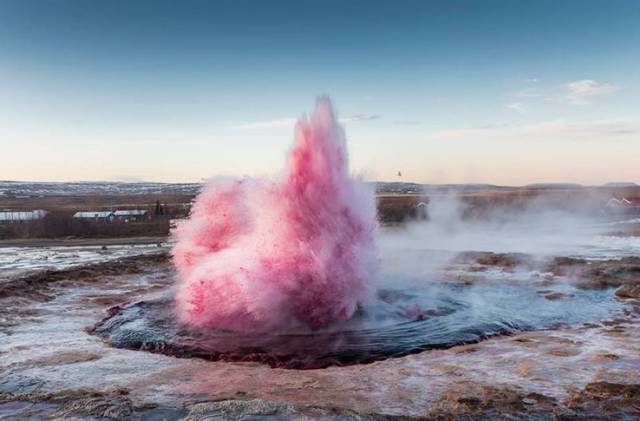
(554, 186)
(408, 188)
(462, 187)
(621, 184)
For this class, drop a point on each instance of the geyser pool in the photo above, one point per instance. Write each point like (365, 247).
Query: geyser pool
(397, 322)
(283, 272)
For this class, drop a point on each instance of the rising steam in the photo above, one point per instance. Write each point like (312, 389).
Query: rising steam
(258, 254)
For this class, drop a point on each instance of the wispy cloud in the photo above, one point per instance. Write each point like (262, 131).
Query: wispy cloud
(517, 107)
(360, 117)
(528, 93)
(553, 129)
(583, 91)
(408, 122)
(532, 80)
(281, 123)
(289, 122)
(578, 92)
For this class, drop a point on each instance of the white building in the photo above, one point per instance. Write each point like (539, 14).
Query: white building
(134, 212)
(94, 215)
(133, 215)
(11, 216)
(119, 215)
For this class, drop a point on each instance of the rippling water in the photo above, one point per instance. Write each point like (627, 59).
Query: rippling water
(398, 322)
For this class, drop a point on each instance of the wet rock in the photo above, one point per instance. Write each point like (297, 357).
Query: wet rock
(564, 352)
(155, 413)
(466, 279)
(64, 358)
(478, 401)
(502, 260)
(69, 404)
(110, 407)
(552, 296)
(238, 410)
(18, 410)
(607, 400)
(606, 357)
(598, 274)
(36, 286)
(538, 398)
(629, 291)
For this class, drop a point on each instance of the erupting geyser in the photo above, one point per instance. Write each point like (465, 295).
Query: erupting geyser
(261, 255)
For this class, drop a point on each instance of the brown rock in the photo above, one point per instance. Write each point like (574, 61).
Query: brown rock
(629, 291)
(552, 296)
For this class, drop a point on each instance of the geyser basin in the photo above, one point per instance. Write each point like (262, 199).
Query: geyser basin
(399, 322)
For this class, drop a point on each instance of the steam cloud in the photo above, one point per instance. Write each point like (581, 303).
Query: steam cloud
(262, 254)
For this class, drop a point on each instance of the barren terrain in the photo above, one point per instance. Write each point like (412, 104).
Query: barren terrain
(53, 367)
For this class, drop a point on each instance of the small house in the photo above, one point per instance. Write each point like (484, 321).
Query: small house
(133, 215)
(19, 216)
(94, 215)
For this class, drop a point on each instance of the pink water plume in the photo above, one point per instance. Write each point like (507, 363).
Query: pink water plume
(267, 254)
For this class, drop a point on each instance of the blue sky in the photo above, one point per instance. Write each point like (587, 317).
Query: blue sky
(507, 92)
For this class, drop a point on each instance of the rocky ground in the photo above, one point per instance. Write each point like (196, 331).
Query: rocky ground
(51, 368)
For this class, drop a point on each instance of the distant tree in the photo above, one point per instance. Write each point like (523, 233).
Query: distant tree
(159, 209)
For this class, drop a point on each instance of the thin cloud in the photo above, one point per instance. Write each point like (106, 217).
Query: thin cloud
(128, 179)
(584, 91)
(528, 93)
(360, 117)
(408, 122)
(553, 129)
(289, 122)
(578, 92)
(281, 123)
(517, 107)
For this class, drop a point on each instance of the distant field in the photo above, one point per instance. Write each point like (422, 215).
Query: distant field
(92, 201)
(393, 206)
(128, 199)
